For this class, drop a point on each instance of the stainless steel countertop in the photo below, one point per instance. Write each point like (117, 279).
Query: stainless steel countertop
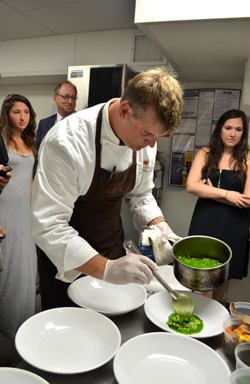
(130, 325)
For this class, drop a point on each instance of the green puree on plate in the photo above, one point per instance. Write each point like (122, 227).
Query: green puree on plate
(198, 262)
(185, 325)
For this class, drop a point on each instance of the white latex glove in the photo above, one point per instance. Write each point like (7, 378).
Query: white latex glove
(131, 268)
(162, 249)
(165, 230)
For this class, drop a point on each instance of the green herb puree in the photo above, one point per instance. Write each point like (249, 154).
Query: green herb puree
(185, 325)
(197, 262)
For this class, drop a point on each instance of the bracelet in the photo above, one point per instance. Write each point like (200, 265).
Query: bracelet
(226, 195)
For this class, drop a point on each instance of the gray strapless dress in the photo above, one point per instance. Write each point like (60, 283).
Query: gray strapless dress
(17, 291)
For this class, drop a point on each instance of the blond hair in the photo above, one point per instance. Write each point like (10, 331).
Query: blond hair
(158, 88)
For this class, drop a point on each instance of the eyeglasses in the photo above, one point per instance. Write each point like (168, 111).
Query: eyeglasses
(66, 97)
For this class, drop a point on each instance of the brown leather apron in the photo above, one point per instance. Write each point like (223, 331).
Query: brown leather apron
(96, 216)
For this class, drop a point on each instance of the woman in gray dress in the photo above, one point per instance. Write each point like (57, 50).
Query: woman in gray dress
(17, 292)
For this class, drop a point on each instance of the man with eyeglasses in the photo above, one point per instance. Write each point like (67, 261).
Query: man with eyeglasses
(65, 97)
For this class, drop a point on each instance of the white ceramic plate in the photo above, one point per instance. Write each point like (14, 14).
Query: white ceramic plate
(170, 359)
(68, 340)
(19, 376)
(106, 298)
(159, 307)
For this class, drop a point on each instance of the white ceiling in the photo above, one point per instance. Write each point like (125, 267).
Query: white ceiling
(20, 19)
(211, 51)
(208, 51)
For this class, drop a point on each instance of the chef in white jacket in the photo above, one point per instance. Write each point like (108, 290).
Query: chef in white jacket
(87, 163)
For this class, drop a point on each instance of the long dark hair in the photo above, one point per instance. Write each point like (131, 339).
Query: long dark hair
(29, 133)
(238, 159)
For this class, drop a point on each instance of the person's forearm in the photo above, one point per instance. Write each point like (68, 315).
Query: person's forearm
(232, 198)
(205, 191)
(209, 192)
(94, 267)
(235, 199)
(224, 201)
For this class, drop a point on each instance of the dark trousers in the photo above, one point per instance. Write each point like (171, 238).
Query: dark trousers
(53, 291)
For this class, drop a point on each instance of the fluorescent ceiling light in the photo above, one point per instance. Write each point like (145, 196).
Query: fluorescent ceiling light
(164, 10)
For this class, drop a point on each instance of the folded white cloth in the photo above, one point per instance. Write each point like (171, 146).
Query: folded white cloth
(162, 251)
(166, 272)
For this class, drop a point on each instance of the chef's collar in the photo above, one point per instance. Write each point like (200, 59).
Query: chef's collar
(109, 134)
(111, 102)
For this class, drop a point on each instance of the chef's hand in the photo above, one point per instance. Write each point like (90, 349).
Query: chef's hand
(163, 251)
(165, 230)
(131, 268)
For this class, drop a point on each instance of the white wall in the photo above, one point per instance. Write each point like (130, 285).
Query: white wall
(33, 66)
(54, 54)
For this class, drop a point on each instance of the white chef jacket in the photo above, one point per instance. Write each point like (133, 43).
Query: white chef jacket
(65, 171)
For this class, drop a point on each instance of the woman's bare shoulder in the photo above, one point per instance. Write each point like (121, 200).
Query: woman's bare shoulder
(203, 151)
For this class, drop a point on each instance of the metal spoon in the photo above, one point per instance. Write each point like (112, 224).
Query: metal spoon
(183, 305)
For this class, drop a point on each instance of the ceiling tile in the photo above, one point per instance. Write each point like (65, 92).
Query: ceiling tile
(4, 8)
(17, 26)
(22, 5)
(86, 16)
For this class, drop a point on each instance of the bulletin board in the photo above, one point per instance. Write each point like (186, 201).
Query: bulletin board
(201, 111)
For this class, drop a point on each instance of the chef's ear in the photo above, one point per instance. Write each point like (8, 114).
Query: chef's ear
(125, 110)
